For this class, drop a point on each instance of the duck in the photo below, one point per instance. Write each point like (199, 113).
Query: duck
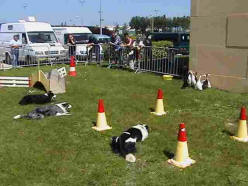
(193, 79)
(206, 83)
(209, 84)
(199, 84)
(189, 80)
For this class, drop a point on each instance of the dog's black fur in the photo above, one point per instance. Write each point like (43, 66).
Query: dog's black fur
(59, 109)
(38, 98)
(185, 81)
(125, 143)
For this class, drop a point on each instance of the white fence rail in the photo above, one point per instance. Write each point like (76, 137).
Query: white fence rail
(14, 81)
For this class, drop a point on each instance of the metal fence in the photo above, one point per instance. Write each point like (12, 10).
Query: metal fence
(40, 55)
(139, 59)
(160, 60)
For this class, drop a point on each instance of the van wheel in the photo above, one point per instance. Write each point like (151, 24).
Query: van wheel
(7, 58)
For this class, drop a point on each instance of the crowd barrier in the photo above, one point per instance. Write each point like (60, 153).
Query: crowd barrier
(40, 55)
(160, 60)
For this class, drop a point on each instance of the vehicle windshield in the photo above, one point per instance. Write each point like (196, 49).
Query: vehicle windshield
(80, 38)
(42, 37)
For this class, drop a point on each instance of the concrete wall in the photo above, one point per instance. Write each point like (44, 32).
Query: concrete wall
(219, 42)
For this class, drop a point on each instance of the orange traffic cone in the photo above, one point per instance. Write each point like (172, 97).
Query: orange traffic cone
(101, 123)
(72, 71)
(242, 128)
(159, 109)
(182, 159)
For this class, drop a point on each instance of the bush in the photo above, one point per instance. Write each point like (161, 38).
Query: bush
(162, 44)
(105, 48)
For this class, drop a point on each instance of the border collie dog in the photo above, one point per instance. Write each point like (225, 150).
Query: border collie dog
(38, 98)
(60, 109)
(125, 143)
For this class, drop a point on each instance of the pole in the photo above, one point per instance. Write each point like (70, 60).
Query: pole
(156, 14)
(100, 17)
(152, 24)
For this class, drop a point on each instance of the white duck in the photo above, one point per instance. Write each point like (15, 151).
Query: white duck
(209, 84)
(193, 79)
(206, 83)
(199, 84)
(189, 80)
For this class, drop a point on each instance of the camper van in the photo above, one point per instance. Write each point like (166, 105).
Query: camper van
(80, 34)
(37, 38)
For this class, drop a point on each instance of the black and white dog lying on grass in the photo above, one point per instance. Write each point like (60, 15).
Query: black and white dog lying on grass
(125, 143)
(38, 98)
(60, 109)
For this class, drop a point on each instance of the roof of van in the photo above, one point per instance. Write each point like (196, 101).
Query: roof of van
(75, 29)
(25, 27)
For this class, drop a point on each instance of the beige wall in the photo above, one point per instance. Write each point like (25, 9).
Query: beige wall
(219, 42)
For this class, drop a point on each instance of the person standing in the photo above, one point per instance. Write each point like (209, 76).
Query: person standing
(94, 47)
(148, 48)
(128, 44)
(15, 44)
(115, 40)
(72, 45)
(115, 43)
(138, 45)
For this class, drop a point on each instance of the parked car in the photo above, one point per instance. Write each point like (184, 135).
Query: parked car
(37, 38)
(102, 38)
(180, 39)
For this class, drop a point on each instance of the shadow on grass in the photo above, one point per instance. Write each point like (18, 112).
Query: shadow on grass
(94, 123)
(152, 109)
(228, 132)
(168, 154)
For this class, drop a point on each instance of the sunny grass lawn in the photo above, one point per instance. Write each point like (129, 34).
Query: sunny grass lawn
(66, 151)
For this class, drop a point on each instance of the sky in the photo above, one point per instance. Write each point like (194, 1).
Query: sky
(86, 12)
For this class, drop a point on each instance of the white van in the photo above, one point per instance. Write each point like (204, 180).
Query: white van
(80, 34)
(37, 38)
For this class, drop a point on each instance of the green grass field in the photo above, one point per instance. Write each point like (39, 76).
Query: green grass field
(66, 151)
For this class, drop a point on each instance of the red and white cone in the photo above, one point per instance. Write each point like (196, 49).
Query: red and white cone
(72, 71)
(182, 159)
(159, 109)
(101, 123)
(242, 127)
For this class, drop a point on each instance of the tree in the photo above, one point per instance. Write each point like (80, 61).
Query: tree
(139, 23)
(144, 23)
(135, 22)
(160, 22)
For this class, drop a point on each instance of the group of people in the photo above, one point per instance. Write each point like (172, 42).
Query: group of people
(132, 46)
(92, 47)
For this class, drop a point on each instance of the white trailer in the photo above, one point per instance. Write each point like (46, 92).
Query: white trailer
(37, 38)
(80, 34)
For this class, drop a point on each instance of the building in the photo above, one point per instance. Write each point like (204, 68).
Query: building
(219, 42)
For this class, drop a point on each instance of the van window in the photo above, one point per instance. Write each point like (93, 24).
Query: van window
(10, 27)
(42, 37)
(24, 39)
(7, 37)
(80, 38)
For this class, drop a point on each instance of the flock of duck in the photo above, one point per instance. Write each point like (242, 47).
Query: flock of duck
(191, 79)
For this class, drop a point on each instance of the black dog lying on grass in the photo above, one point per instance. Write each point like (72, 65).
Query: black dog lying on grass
(125, 143)
(38, 98)
(60, 109)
